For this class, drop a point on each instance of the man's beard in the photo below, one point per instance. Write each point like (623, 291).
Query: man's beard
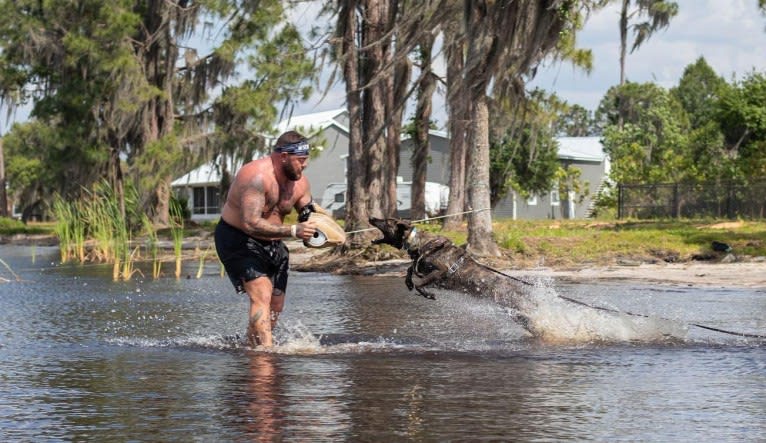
(291, 173)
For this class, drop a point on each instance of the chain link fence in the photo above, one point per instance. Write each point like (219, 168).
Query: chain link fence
(692, 200)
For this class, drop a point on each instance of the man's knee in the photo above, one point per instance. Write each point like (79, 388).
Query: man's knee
(277, 300)
(259, 290)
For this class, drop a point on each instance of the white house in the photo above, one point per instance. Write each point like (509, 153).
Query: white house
(328, 130)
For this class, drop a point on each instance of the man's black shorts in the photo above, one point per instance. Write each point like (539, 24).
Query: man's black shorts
(246, 258)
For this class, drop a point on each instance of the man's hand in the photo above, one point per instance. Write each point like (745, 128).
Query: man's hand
(305, 230)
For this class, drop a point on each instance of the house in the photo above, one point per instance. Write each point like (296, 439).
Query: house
(201, 186)
(329, 131)
(586, 154)
(201, 189)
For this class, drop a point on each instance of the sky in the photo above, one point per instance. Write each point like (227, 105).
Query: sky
(730, 34)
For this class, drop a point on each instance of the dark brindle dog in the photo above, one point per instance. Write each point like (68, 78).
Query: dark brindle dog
(437, 262)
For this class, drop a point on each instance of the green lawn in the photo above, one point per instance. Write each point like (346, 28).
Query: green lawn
(581, 241)
(12, 227)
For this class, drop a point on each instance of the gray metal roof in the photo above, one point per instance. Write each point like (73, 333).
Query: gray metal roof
(581, 148)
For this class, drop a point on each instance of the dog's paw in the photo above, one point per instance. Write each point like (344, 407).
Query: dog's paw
(408, 279)
(426, 294)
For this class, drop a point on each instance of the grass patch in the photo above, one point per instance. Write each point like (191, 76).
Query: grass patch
(9, 226)
(578, 241)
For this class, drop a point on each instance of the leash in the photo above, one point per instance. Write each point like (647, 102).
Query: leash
(455, 214)
(601, 308)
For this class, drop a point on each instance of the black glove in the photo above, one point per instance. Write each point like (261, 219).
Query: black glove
(305, 212)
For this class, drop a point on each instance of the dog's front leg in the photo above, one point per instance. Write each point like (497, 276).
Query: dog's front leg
(408, 278)
(419, 287)
(426, 281)
(411, 284)
(424, 293)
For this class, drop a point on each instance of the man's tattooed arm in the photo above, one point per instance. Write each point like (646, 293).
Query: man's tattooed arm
(252, 204)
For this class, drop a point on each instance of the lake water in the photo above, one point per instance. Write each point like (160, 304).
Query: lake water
(83, 358)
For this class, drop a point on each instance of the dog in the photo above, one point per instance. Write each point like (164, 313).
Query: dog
(437, 262)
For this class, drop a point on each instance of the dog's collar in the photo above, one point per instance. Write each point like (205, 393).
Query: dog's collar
(410, 238)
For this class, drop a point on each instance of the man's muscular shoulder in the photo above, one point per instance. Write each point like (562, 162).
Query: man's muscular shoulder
(260, 166)
(256, 172)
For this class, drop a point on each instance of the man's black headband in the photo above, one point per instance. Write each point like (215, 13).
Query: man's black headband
(298, 148)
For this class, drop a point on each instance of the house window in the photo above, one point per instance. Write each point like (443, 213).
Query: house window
(340, 197)
(213, 202)
(206, 200)
(555, 200)
(199, 201)
(532, 200)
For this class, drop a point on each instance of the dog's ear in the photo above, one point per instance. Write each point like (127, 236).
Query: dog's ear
(394, 231)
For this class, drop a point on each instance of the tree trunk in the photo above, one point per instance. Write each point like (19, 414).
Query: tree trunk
(162, 203)
(356, 207)
(168, 115)
(456, 100)
(477, 74)
(480, 239)
(3, 191)
(623, 38)
(396, 87)
(374, 106)
(426, 88)
(623, 53)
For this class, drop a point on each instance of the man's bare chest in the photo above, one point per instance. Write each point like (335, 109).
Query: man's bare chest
(279, 200)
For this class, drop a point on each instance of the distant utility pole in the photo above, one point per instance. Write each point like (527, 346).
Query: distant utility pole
(3, 193)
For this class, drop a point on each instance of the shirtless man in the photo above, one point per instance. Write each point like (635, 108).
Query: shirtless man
(248, 238)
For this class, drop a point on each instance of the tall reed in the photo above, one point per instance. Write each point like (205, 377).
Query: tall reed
(177, 232)
(121, 224)
(202, 257)
(101, 212)
(153, 246)
(111, 229)
(62, 211)
(70, 229)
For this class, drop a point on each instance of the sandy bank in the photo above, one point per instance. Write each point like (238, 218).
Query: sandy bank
(743, 274)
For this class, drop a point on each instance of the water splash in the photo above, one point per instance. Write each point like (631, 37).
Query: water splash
(215, 341)
(289, 339)
(554, 319)
(295, 338)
